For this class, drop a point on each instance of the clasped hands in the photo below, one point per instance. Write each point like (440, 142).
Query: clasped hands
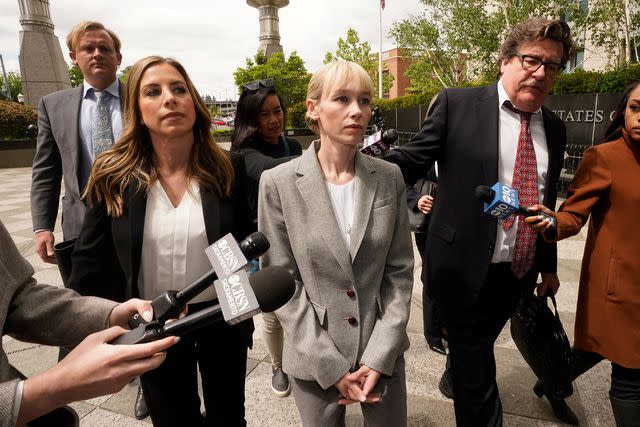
(357, 387)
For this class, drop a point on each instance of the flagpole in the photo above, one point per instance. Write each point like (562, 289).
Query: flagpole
(380, 53)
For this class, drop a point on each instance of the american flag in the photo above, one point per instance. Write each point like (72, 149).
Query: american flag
(382, 4)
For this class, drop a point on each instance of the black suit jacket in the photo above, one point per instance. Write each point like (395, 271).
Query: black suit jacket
(107, 254)
(462, 135)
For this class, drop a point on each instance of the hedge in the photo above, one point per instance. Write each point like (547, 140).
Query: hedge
(581, 81)
(578, 81)
(14, 119)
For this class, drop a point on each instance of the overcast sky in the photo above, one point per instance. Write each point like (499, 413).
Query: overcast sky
(212, 37)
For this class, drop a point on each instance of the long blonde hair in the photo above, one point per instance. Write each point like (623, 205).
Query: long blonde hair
(129, 160)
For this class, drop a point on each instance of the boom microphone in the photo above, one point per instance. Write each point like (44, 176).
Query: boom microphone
(273, 287)
(501, 201)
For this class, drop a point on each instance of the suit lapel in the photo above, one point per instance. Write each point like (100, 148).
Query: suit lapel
(312, 187)
(554, 148)
(71, 116)
(366, 186)
(211, 209)
(137, 210)
(487, 118)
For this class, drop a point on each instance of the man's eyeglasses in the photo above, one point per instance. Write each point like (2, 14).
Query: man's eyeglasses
(250, 87)
(532, 63)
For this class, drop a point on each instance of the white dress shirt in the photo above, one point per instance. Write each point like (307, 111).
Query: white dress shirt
(509, 130)
(173, 244)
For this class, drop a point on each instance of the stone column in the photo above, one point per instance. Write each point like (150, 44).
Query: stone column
(42, 64)
(269, 24)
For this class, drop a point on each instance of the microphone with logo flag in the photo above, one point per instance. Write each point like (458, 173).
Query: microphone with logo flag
(501, 201)
(239, 298)
(226, 257)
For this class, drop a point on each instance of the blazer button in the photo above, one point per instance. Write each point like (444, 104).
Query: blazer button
(350, 293)
(352, 321)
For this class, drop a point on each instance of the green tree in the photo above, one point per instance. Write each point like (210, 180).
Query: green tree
(613, 26)
(14, 81)
(455, 42)
(352, 49)
(124, 75)
(75, 75)
(290, 75)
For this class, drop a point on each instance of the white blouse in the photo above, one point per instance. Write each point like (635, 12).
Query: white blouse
(343, 201)
(173, 244)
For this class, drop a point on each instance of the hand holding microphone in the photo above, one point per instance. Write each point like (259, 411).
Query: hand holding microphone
(239, 298)
(501, 201)
(226, 256)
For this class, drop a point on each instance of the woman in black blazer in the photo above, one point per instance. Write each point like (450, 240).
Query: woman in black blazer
(259, 122)
(162, 194)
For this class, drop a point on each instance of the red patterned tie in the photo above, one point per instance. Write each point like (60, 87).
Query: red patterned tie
(525, 180)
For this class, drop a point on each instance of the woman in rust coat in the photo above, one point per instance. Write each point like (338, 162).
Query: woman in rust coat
(607, 188)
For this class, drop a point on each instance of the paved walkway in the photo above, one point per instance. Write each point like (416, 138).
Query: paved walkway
(427, 407)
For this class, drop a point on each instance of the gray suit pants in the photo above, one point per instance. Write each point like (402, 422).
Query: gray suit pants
(318, 407)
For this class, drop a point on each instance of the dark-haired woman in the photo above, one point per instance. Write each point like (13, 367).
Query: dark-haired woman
(606, 188)
(259, 121)
(157, 199)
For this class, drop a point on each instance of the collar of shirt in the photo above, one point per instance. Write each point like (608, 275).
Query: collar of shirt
(113, 89)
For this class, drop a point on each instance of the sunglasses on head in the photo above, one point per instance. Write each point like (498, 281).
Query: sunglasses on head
(252, 86)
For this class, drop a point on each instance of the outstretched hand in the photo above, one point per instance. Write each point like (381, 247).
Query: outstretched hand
(94, 368)
(539, 222)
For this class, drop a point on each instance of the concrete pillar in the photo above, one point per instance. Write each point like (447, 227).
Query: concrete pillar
(269, 24)
(42, 64)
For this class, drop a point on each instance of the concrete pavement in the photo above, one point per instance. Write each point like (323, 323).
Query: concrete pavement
(426, 406)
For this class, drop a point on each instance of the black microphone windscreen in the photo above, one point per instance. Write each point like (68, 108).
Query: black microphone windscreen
(390, 136)
(484, 194)
(254, 245)
(273, 287)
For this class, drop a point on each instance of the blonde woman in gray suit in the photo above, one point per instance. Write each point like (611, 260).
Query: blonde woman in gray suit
(337, 220)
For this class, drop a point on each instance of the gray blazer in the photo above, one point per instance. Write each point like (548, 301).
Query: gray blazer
(351, 305)
(38, 313)
(57, 158)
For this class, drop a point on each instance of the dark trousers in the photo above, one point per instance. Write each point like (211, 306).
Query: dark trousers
(171, 390)
(471, 334)
(431, 322)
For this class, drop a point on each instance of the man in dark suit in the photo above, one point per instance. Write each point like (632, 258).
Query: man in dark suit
(73, 127)
(478, 267)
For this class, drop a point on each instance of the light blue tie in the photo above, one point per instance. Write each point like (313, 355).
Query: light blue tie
(101, 132)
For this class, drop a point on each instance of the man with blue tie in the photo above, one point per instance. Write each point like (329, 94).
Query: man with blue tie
(74, 126)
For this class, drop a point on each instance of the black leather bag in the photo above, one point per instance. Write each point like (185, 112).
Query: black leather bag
(540, 337)
(63, 251)
(420, 222)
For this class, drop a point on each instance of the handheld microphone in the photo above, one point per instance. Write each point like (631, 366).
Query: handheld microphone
(272, 286)
(226, 256)
(378, 144)
(501, 201)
